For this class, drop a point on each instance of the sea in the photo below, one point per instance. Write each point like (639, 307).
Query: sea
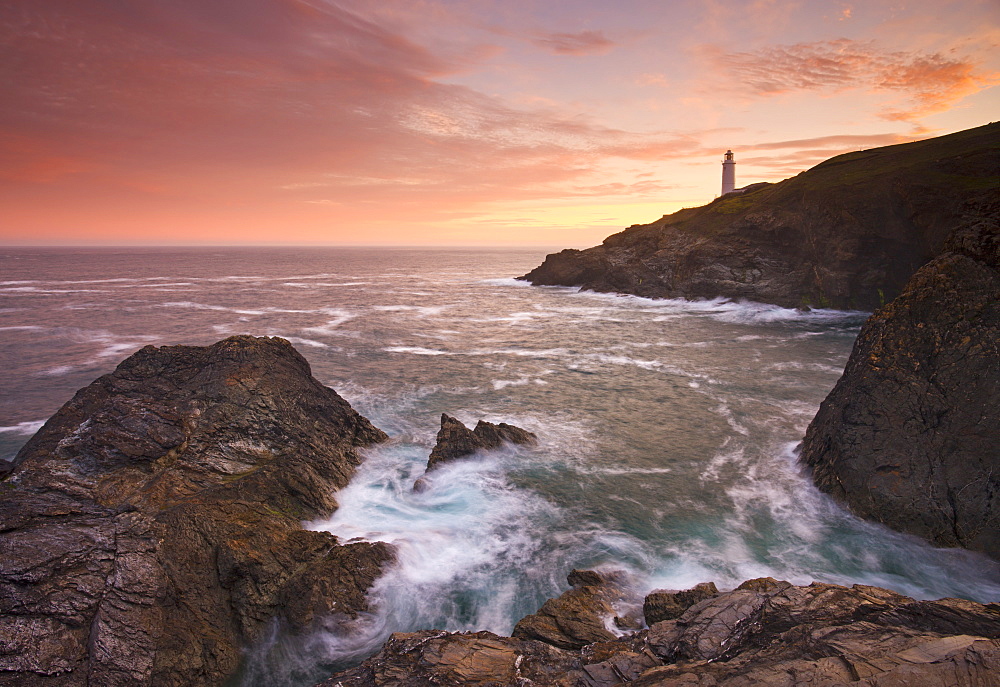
(667, 428)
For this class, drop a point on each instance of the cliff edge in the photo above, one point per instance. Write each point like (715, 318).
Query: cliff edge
(151, 530)
(845, 234)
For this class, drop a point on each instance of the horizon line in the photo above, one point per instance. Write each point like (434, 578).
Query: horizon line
(279, 245)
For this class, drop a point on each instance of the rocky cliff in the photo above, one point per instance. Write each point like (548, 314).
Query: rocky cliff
(909, 436)
(845, 234)
(150, 531)
(765, 632)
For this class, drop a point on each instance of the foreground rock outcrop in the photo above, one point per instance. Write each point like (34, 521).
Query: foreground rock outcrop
(909, 436)
(847, 233)
(583, 615)
(765, 632)
(150, 531)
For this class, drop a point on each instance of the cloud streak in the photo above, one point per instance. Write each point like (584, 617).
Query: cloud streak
(928, 82)
(190, 116)
(576, 44)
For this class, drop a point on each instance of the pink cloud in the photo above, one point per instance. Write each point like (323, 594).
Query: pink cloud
(577, 44)
(840, 141)
(928, 82)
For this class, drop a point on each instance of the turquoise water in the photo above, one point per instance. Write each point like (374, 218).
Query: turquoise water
(667, 428)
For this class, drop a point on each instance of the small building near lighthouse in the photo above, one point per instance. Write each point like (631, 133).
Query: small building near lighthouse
(728, 173)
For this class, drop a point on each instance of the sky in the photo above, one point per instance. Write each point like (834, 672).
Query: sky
(447, 122)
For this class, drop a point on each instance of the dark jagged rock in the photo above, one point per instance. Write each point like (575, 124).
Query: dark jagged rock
(766, 633)
(909, 435)
(663, 604)
(455, 440)
(151, 529)
(847, 233)
(580, 616)
(443, 658)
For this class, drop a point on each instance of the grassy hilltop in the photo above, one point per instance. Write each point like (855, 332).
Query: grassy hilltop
(847, 233)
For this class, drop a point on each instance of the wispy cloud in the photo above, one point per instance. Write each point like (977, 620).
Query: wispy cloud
(582, 43)
(928, 82)
(848, 141)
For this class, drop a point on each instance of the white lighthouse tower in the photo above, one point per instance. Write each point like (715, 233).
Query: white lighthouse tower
(728, 173)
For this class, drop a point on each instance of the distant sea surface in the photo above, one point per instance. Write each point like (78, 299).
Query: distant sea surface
(667, 428)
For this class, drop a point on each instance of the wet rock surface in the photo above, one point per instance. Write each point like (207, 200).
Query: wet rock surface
(455, 440)
(766, 632)
(580, 616)
(845, 234)
(909, 435)
(663, 604)
(151, 529)
(443, 658)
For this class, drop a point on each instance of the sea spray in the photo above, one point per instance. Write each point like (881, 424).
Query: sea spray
(666, 427)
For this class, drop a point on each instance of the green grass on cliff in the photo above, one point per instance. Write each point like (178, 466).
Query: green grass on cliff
(947, 166)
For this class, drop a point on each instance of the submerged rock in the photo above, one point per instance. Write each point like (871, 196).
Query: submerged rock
(455, 440)
(151, 529)
(909, 435)
(765, 632)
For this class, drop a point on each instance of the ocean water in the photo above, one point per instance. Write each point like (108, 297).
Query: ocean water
(666, 428)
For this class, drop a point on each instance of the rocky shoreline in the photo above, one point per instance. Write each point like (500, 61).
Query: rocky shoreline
(765, 632)
(908, 436)
(151, 530)
(150, 533)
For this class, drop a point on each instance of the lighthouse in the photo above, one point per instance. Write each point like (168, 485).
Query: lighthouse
(728, 173)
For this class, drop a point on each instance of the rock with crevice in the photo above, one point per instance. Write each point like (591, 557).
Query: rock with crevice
(667, 604)
(765, 633)
(443, 658)
(580, 616)
(151, 529)
(908, 437)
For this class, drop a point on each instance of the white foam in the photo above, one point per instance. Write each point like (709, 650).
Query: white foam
(724, 309)
(57, 371)
(338, 317)
(27, 428)
(203, 306)
(454, 538)
(110, 346)
(505, 281)
(421, 310)
(415, 350)
(305, 342)
(38, 290)
(809, 366)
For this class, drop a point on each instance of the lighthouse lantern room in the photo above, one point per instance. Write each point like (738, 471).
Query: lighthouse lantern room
(728, 173)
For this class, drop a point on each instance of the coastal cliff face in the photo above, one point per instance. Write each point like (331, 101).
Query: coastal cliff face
(909, 436)
(150, 531)
(845, 234)
(765, 632)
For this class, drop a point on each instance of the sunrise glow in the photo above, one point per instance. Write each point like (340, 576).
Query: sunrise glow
(439, 122)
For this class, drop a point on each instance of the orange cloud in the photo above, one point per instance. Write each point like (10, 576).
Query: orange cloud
(840, 141)
(929, 83)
